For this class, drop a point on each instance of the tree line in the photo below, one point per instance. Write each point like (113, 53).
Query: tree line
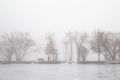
(103, 43)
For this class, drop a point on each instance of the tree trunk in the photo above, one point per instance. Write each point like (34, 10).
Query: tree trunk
(99, 56)
(71, 55)
(48, 58)
(78, 56)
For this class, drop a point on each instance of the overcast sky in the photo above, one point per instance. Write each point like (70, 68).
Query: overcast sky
(42, 16)
(62, 15)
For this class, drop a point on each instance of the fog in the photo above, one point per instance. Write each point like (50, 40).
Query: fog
(58, 16)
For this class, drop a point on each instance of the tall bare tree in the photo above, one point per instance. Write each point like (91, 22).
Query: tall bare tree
(69, 45)
(76, 42)
(111, 45)
(95, 43)
(50, 49)
(18, 44)
(80, 40)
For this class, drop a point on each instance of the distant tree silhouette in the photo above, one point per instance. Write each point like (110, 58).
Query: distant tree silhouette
(111, 45)
(69, 37)
(76, 42)
(95, 42)
(80, 40)
(50, 49)
(16, 43)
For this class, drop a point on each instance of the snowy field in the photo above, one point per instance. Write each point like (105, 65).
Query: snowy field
(59, 72)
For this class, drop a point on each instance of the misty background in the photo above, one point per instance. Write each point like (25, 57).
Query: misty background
(58, 16)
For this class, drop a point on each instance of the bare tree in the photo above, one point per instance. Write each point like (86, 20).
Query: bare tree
(6, 51)
(18, 44)
(80, 42)
(111, 45)
(95, 43)
(107, 44)
(76, 40)
(50, 49)
(69, 45)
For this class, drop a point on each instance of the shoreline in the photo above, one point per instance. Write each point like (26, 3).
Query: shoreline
(45, 62)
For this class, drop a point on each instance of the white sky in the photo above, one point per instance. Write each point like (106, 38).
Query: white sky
(42, 16)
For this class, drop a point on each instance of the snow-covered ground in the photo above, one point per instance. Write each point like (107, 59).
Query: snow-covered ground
(59, 72)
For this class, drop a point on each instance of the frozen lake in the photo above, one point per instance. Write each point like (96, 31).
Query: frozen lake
(59, 72)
